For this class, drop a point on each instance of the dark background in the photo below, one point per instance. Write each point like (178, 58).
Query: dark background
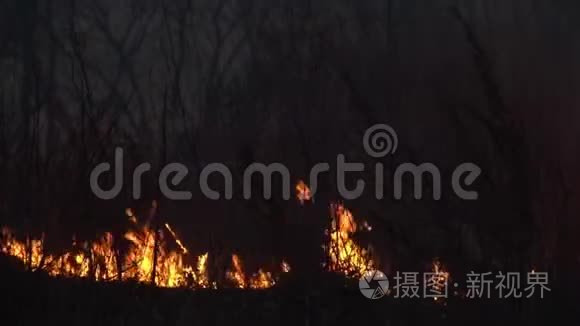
(491, 82)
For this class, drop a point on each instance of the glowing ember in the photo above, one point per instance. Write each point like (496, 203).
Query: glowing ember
(303, 192)
(343, 254)
(366, 226)
(285, 267)
(440, 279)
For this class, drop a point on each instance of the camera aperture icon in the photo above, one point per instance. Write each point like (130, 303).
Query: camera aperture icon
(374, 284)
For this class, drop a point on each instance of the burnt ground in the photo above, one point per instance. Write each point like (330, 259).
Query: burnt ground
(37, 299)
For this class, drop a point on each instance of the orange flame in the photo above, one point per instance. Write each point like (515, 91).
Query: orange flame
(179, 243)
(303, 192)
(237, 274)
(343, 254)
(200, 275)
(261, 280)
(12, 247)
(100, 261)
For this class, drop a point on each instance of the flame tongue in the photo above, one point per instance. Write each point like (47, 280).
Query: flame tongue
(303, 192)
(31, 254)
(200, 275)
(259, 280)
(170, 269)
(344, 255)
(236, 275)
(179, 243)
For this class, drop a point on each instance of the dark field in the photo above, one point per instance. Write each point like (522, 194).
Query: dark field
(36, 299)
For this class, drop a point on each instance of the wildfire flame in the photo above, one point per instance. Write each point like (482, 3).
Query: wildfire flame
(343, 254)
(101, 261)
(237, 275)
(200, 275)
(259, 280)
(303, 192)
(149, 258)
(179, 243)
(30, 254)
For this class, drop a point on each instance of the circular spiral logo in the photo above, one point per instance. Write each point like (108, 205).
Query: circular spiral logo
(380, 140)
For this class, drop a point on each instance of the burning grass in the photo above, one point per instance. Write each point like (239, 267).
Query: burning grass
(100, 260)
(150, 260)
(344, 255)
